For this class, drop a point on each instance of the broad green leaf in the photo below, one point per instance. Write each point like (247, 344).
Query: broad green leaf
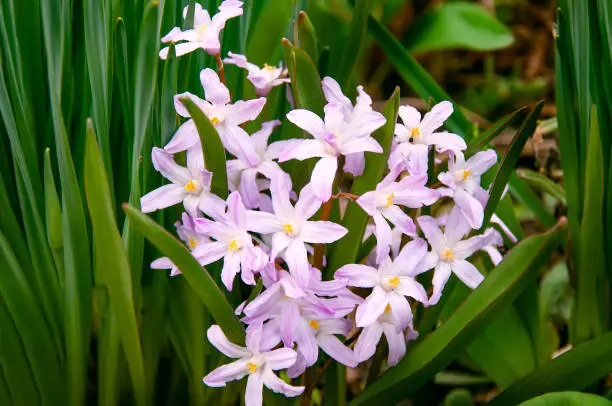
(506, 168)
(458, 25)
(112, 262)
(357, 30)
(587, 315)
(305, 37)
(198, 278)
(575, 370)
(417, 77)
(355, 219)
(543, 184)
(568, 399)
(267, 31)
(438, 349)
(214, 152)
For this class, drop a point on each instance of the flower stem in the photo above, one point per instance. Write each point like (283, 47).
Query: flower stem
(220, 68)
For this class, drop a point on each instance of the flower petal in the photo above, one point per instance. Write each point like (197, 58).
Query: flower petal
(321, 232)
(163, 162)
(162, 197)
(297, 259)
(303, 149)
(448, 141)
(384, 237)
(470, 207)
(289, 319)
(436, 117)
(400, 219)
(358, 275)
(281, 358)
(226, 373)
(307, 204)
(432, 232)
(218, 339)
(440, 277)
(253, 396)
(214, 91)
(231, 267)
(248, 188)
(333, 92)
(361, 144)
(275, 384)
(408, 286)
(308, 121)
(338, 351)
(367, 342)
(467, 273)
(307, 344)
(410, 116)
(184, 138)
(322, 177)
(244, 110)
(400, 310)
(373, 307)
(354, 163)
(481, 162)
(396, 343)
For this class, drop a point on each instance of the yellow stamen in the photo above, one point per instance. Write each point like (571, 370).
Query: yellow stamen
(394, 281)
(388, 309)
(252, 367)
(448, 254)
(233, 246)
(465, 174)
(415, 132)
(215, 120)
(390, 200)
(288, 228)
(190, 186)
(314, 324)
(268, 67)
(193, 243)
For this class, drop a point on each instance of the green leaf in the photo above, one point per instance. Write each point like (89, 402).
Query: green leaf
(53, 209)
(305, 36)
(355, 219)
(267, 31)
(112, 262)
(438, 349)
(523, 193)
(575, 370)
(168, 90)
(542, 183)
(586, 322)
(458, 25)
(209, 293)
(305, 79)
(483, 140)
(506, 168)
(417, 77)
(30, 323)
(214, 152)
(568, 399)
(357, 30)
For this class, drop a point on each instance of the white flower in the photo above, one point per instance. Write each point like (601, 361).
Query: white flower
(205, 31)
(264, 78)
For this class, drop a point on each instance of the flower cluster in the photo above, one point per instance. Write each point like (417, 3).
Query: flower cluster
(267, 231)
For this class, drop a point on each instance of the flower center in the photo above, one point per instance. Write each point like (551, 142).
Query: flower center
(415, 132)
(462, 175)
(215, 120)
(388, 309)
(191, 186)
(393, 281)
(448, 254)
(289, 229)
(233, 246)
(252, 367)
(314, 324)
(201, 30)
(193, 243)
(268, 67)
(389, 200)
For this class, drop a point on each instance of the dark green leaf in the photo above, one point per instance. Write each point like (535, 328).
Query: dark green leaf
(542, 183)
(306, 37)
(567, 399)
(357, 30)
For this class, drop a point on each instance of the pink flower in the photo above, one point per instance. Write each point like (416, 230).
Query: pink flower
(255, 157)
(339, 134)
(463, 181)
(449, 252)
(264, 78)
(205, 31)
(392, 282)
(226, 117)
(259, 365)
(232, 242)
(291, 228)
(414, 137)
(370, 336)
(190, 185)
(383, 204)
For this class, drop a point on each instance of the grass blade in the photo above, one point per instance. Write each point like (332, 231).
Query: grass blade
(542, 183)
(357, 30)
(112, 263)
(210, 294)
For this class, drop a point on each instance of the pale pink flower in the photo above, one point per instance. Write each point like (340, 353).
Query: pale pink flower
(264, 79)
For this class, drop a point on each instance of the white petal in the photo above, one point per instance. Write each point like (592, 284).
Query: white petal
(338, 351)
(441, 275)
(396, 343)
(358, 275)
(162, 197)
(226, 373)
(322, 178)
(308, 121)
(275, 384)
(214, 91)
(436, 117)
(253, 395)
(367, 342)
(373, 307)
(281, 358)
(321, 232)
(218, 339)
(467, 273)
(432, 232)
